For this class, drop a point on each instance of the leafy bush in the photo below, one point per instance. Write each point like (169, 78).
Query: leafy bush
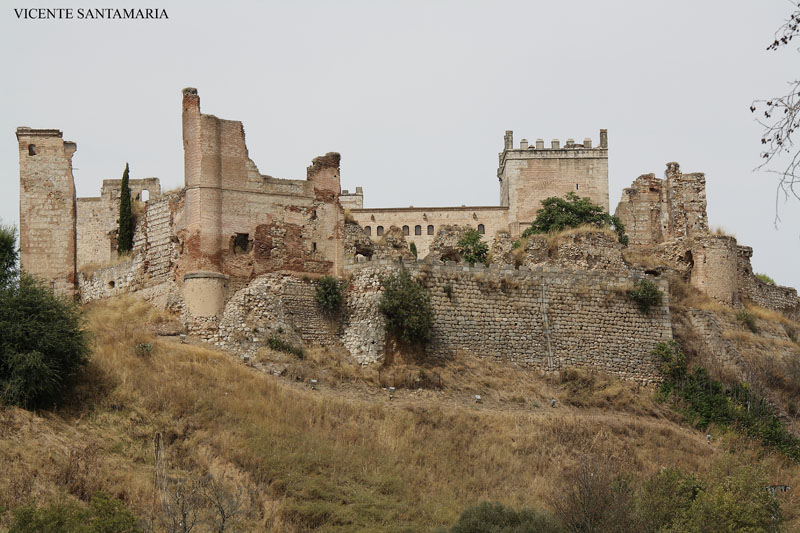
(407, 308)
(413, 248)
(43, 343)
(279, 345)
(734, 500)
(765, 279)
(706, 401)
(646, 294)
(330, 294)
(558, 214)
(104, 515)
(8, 255)
(473, 249)
(664, 496)
(496, 518)
(747, 320)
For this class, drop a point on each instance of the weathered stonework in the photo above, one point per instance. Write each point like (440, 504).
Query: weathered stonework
(47, 237)
(548, 317)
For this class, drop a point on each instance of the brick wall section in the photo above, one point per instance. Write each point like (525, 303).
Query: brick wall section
(547, 317)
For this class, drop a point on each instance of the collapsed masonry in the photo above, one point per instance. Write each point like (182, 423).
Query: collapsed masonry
(234, 251)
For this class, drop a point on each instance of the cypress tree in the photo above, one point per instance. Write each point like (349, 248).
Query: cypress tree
(125, 235)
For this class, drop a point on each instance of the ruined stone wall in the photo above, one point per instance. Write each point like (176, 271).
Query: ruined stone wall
(775, 297)
(276, 304)
(715, 267)
(532, 173)
(546, 317)
(47, 236)
(241, 223)
(656, 210)
(98, 219)
(422, 223)
(153, 263)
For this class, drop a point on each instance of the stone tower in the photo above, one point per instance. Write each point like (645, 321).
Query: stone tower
(47, 214)
(531, 173)
(204, 283)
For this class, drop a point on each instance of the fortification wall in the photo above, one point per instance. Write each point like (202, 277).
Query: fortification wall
(775, 297)
(276, 304)
(546, 317)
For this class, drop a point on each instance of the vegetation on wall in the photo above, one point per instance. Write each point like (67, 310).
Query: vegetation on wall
(765, 278)
(329, 294)
(413, 248)
(280, 345)
(706, 401)
(558, 214)
(125, 235)
(473, 249)
(646, 294)
(42, 340)
(406, 305)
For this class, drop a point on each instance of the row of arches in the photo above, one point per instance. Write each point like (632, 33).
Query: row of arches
(417, 230)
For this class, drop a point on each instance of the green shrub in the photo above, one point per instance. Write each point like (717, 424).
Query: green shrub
(765, 279)
(646, 294)
(706, 401)
(664, 496)
(472, 248)
(43, 343)
(330, 294)
(104, 515)
(734, 500)
(406, 306)
(489, 517)
(279, 345)
(144, 349)
(448, 291)
(558, 214)
(125, 232)
(8, 255)
(747, 320)
(413, 248)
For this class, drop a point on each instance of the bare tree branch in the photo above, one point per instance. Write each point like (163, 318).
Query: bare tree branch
(780, 118)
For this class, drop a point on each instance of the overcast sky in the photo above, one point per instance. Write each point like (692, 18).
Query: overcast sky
(416, 95)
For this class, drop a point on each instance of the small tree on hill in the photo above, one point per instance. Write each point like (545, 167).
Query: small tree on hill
(125, 235)
(407, 307)
(42, 342)
(558, 214)
(473, 249)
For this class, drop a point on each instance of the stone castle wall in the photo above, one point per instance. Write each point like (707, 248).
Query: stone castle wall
(547, 317)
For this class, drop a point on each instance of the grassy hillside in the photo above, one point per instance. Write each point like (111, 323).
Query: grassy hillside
(343, 457)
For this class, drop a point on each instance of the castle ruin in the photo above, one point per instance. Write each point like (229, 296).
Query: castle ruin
(234, 251)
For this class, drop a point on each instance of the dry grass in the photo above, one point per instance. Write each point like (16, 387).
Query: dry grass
(554, 239)
(116, 259)
(348, 217)
(719, 230)
(341, 458)
(771, 316)
(641, 258)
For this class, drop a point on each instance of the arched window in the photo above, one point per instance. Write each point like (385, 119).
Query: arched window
(31, 149)
(417, 230)
(379, 231)
(368, 230)
(405, 230)
(145, 195)
(481, 229)
(430, 230)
